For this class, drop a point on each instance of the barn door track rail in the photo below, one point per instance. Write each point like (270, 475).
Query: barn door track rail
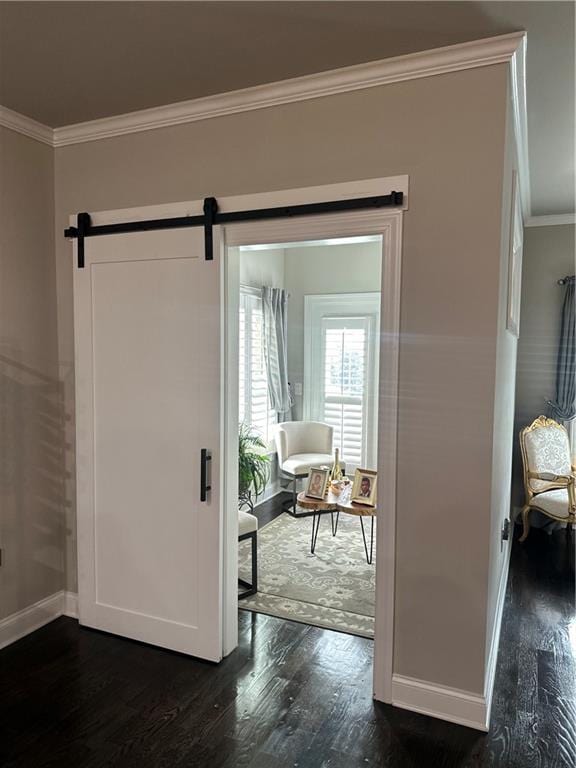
(212, 217)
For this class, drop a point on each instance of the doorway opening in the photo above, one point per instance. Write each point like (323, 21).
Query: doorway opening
(308, 382)
(382, 231)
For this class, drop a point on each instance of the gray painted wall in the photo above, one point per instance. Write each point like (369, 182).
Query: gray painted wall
(448, 134)
(31, 404)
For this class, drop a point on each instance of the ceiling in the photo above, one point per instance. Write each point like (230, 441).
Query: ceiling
(67, 62)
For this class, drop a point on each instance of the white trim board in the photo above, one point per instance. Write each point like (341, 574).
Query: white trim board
(550, 221)
(22, 623)
(452, 704)
(26, 126)
(273, 230)
(520, 121)
(490, 673)
(510, 48)
(388, 224)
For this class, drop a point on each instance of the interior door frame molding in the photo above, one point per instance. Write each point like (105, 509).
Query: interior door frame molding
(388, 224)
(385, 222)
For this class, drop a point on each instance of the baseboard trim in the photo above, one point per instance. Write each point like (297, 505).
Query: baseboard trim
(452, 704)
(495, 639)
(28, 620)
(70, 607)
(274, 491)
(550, 221)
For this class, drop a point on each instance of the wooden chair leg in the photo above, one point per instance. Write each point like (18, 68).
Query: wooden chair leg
(525, 523)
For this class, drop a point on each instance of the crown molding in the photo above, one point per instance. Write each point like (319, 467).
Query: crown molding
(550, 221)
(26, 126)
(453, 58)
(510, 49)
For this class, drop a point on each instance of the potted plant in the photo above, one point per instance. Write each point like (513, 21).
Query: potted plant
(253, 466)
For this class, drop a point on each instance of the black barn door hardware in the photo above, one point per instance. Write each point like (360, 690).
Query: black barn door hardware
(205, 457)
(212, 217)
(83, 226)
(210, 211)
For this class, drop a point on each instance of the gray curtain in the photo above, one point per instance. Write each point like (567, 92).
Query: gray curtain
(275, 333)
(563, 407)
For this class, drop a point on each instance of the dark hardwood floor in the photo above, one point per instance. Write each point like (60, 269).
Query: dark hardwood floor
(290, 695)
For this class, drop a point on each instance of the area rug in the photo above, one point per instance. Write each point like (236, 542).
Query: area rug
(333, 588)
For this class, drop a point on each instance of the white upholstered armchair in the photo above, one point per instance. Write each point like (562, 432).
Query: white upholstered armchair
(300, 446)
(549, 477)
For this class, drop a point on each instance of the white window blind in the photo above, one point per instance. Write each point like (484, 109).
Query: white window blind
(344, 398)
(341, 370)
(254, 409)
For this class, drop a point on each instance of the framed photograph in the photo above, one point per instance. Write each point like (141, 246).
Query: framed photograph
(515, 261)
(317, 482)
(364, 487)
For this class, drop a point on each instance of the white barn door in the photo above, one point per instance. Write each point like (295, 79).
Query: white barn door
(147, 334)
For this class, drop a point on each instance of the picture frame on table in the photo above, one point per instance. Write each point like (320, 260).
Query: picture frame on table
(364, 487)
(317, 482)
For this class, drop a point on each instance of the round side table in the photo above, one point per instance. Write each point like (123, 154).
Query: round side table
(339, 503)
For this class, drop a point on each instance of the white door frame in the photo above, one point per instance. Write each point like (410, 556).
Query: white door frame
(387, 223)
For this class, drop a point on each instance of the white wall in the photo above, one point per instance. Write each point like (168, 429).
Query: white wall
(262, 267)
(323, 269)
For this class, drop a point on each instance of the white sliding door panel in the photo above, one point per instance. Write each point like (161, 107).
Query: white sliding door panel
(148, 400)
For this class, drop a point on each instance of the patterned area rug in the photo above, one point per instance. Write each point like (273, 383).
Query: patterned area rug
(334, 588)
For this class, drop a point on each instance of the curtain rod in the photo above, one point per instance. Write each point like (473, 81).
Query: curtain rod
(564, 280)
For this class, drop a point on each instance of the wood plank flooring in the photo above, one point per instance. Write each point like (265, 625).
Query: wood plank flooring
(291, 696)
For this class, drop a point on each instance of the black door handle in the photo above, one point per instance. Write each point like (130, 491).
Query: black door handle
(205, 457)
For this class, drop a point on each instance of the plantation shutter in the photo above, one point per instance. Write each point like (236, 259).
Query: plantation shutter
(254, 408)
(345, 365)
(242, 372)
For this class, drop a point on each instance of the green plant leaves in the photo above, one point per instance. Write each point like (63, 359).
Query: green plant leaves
(253, 465)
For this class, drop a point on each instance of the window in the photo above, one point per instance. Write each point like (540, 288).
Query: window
(254, 408)
(341, 369)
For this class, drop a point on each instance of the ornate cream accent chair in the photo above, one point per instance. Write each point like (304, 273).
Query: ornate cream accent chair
(549, 477)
